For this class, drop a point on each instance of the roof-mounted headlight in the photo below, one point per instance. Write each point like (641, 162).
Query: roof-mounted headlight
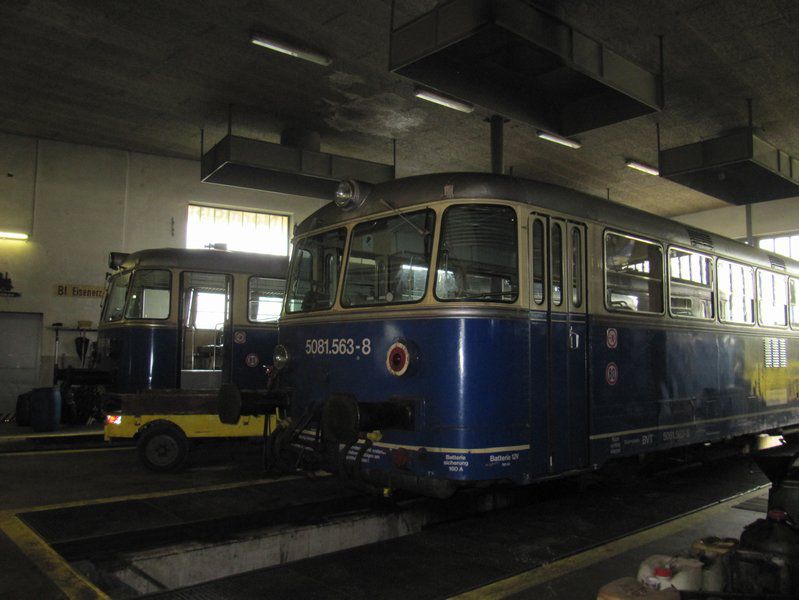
(281, 357)
(115, 259)
(351, 194)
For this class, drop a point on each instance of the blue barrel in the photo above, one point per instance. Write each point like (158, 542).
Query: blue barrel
(46, 409)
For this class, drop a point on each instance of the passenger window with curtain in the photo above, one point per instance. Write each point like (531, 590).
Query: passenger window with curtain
(736, 284)
(149, 295)
(772, 298)
(793, 286)
(388, 260)
(633, 274)
(115, 300)
(313, 279)
(691, 284)
(265, 298)
(478, 254)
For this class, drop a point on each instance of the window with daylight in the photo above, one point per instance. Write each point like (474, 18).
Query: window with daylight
(266, 299)
(691, 284)
(736, 292)
(241, 230)
(787, 245)
(772, 292)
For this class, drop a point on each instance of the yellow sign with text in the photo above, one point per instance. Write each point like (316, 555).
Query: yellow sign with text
(75, 290)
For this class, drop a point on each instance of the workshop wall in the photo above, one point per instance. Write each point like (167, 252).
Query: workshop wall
(81, 202)
(768, 218)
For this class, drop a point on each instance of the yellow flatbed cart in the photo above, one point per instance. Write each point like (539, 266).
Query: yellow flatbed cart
(165, 421)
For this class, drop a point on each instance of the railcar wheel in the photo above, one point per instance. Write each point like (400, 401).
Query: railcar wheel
(163, 448)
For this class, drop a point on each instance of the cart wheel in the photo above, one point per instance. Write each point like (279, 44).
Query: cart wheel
(163, 448)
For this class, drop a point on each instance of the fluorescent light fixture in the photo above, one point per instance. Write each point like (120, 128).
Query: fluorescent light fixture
(551, 137)
(643, 167)
(264, 41)
(437, 98)
(11, 235)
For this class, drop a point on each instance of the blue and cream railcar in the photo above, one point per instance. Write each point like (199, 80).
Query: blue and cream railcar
(176, 325)
(457, 328)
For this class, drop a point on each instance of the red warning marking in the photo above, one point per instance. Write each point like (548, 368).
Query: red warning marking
(612, 338)
(240, 337)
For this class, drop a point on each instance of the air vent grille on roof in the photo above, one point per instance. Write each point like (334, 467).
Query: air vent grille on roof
(700, 238)
(777, 262)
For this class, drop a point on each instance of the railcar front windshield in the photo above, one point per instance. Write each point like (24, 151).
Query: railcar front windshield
(313, 280)
(389, 259)
(478, 254)
(115, 300)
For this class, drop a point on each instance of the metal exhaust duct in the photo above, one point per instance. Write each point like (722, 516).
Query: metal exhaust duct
(739, 167)
(513, 59)
(299, 171)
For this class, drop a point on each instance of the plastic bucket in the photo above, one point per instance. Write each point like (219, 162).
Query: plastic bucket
(46, 409)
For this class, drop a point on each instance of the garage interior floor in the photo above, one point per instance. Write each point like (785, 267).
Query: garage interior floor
(564, 541)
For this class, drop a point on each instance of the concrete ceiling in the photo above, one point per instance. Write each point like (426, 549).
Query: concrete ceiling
(147, 76)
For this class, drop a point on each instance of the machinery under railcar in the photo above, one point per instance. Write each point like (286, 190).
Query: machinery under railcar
(456, 329)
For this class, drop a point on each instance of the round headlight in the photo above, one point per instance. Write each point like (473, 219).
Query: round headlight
(345, 193)
(280, 357)
(351, 194)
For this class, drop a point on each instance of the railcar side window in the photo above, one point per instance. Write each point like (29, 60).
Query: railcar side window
(772, 292)
(556, 240)
(793, 286)
(691, 284)
(149, 295)
(736, 292)
(633, 274)
(314, 270)
(115, 301)
(265, 297)
(389, 259)
(538, 261)
(478, 254)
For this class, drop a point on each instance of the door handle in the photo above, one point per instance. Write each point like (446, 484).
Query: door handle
(574, 339)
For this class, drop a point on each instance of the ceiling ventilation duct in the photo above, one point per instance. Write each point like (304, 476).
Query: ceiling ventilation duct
(739, 167)
(515, 60)
(295, 167)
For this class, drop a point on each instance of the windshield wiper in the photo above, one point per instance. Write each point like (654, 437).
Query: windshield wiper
(396, 211)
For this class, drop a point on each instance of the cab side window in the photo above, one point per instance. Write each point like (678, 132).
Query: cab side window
(149, 296)
(265, 298)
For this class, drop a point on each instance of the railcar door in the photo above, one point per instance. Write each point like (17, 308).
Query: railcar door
(205, 330)
(558, 303)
